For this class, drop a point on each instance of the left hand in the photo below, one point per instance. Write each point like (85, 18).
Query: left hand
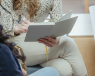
(24, 72)
(48, 41)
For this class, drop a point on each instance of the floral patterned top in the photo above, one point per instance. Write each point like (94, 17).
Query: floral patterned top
(48, 7)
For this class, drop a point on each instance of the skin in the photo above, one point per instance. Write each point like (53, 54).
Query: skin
(24, 72)
(48, 41)
(23, 27)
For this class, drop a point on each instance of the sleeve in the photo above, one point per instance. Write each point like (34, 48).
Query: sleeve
(6, 19)
(8, 64)
(56, 12)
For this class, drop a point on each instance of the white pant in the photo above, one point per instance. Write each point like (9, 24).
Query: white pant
(65, 56)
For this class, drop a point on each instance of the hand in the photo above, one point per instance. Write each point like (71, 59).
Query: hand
(24, 72)
(21, 28)
(50, 42)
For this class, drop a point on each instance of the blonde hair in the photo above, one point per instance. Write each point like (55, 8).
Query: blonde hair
(32, 5)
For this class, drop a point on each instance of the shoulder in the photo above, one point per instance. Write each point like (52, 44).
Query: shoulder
(2, 46)
(4, 49)
(7, 3)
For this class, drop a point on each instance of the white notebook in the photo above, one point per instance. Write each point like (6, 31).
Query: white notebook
(52, 29)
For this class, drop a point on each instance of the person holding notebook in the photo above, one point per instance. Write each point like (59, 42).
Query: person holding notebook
(63, 53)
(9, 64)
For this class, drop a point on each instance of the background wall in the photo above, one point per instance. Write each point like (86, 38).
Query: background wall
(85, 44)
(76, 5)
(87, 49)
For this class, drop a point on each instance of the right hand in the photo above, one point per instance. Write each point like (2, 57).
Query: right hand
(21, 28)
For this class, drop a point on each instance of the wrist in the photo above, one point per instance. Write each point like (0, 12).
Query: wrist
(16, 31)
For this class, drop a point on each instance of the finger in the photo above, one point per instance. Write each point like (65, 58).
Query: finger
(51, 39)
(23, 29)
(47, 42)
(31, 22)
(20, 26)
(44, 43)
(26, 21)
(23, 24)
(24, 72)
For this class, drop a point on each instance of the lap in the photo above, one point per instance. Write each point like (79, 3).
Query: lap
(66, 49)
(36, 52)
(61, 65)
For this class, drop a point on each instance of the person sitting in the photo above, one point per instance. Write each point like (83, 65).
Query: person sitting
(63, 53)
(9, 65)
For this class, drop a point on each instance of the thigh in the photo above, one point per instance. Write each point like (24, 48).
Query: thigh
(29, 48)
(64, 68)
(73, 56)
(35, 52)
(48, 71)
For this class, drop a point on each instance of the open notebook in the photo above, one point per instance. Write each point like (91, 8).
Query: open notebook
(53, 29)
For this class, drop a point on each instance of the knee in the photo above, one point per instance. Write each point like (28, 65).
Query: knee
(65, 71)
(62, 66)
(65, 40)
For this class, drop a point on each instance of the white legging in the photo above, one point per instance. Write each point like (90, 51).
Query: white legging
(65, 56)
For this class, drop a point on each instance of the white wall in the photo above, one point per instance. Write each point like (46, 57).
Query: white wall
(76, 5)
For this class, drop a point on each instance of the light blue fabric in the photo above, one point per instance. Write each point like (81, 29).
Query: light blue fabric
(32, 69)
(48, 71)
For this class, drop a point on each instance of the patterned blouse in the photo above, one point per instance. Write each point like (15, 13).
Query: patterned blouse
(48, 7)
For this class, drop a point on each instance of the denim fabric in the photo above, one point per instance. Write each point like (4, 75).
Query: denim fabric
(48, 71)
(9, 65)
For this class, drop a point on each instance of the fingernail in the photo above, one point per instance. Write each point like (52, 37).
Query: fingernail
(25, 73)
